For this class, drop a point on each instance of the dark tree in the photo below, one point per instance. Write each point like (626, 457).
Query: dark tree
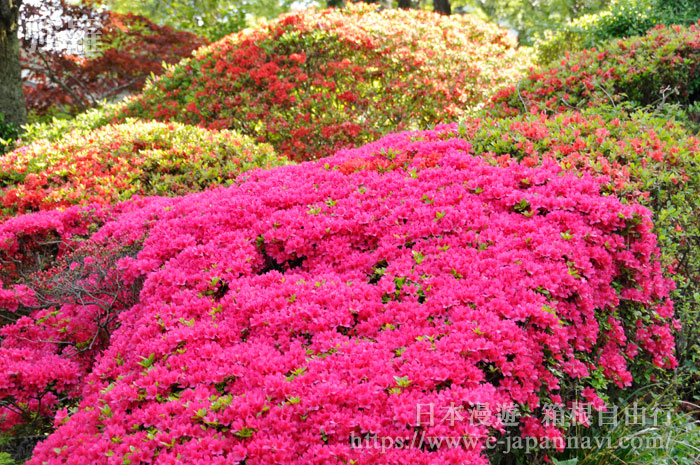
(11, 94)
(442, 6)
(405, 4)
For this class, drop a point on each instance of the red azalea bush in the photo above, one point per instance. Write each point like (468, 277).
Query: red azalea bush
(278, 320)
(662, 66)
(130, 49)
(644, 156)
(314, 81)
(117, 161)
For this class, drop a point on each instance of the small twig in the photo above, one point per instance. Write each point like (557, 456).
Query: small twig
(116, 90)
(665, 92)
(45, 342)
(568, 104)
(612, 102)
(517, 89)
(62, 84)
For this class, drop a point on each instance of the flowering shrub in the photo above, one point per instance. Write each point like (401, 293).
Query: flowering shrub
(314, 81)
(648, 160)
(660, 67)
(115, 162)
(277, 319)
(40, 376)
(622, 18)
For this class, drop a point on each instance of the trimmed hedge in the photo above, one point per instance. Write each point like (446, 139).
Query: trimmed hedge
(314, 81)
(118, 161)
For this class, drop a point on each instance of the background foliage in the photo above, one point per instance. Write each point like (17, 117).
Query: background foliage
(531, 18)
(9, 133)
(212, 19)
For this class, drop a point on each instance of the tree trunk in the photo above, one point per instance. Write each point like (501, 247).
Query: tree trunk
(405, 4)
(442, 6)
(12, 103)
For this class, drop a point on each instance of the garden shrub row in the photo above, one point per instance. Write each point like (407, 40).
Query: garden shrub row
(276, 319)
(115, 162)
(312, 82)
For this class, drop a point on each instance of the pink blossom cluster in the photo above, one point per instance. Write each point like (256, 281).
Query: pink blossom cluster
(309, 304)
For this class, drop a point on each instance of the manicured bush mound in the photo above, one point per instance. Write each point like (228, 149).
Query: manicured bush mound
(58, 127)
(661, 67)
(274, 320)
(117, 161)
(314, 81)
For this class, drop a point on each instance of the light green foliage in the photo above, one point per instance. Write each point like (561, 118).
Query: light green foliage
(531, 18)
(59, 125)
(212, 19)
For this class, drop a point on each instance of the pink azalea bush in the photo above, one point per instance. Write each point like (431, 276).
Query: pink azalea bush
(275, 320)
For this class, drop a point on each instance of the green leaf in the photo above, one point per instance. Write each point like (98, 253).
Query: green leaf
(402, 382)
(148, 362)
(244, 432)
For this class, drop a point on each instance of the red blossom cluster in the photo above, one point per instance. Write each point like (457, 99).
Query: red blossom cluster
(634, 152)
(274, 320)
(659, 67)
(312, 82)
